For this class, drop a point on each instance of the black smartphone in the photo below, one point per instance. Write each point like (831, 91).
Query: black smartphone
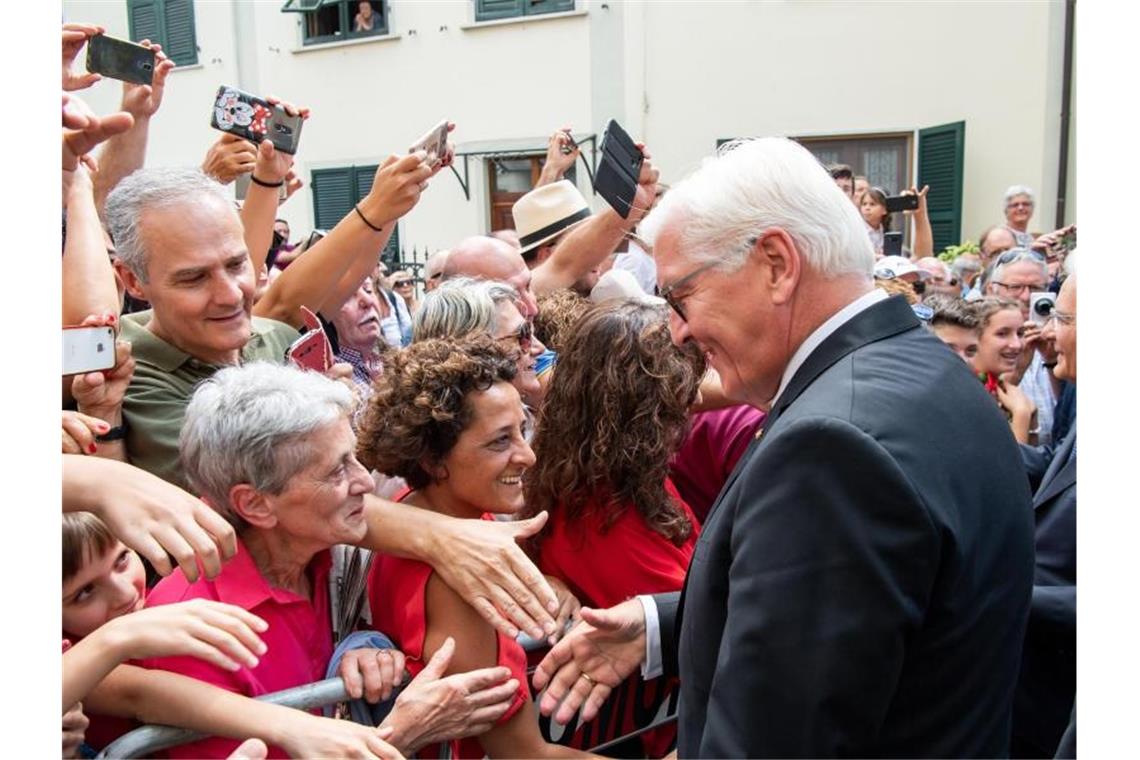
(892, 244)
(902, 203)
(120, 59)
(254, 119)
(618, 169)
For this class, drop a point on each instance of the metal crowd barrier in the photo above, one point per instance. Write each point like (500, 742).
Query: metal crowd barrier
(658, 707)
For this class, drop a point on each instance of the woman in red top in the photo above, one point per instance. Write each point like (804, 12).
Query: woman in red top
(616, 411)
(445, 417)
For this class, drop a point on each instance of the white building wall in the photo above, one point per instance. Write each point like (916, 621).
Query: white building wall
(678, 74)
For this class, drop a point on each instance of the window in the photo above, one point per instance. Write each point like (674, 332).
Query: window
(883, 159)
(336, 191)
(510, 178)
(169, 23)
(490, 10)
(335, 20)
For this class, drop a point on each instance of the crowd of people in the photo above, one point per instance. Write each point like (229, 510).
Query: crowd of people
(691, 443)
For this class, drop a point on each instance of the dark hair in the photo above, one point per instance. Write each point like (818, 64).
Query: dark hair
(419, 407)
(879, 196)
(615, 412)
(558, 313)
(85, 539)
(841, 171)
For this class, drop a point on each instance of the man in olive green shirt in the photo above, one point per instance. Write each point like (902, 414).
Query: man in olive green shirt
(180, 246)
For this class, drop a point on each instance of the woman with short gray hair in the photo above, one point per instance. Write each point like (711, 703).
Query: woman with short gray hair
(272, 449)
(1018, 206)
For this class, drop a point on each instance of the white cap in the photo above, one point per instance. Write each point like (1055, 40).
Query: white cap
(898, 268)
(618, 283)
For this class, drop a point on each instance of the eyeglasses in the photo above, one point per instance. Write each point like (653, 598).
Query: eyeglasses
(1020, 204)
(523, 336)
(401, 283)
(1068, 320)
(675, 302)
(1018, 289)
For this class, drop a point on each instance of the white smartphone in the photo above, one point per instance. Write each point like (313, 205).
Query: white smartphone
(88, 349)
(434, 142)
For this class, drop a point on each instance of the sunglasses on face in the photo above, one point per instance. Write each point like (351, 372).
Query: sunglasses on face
(402, 283)
(523, 336)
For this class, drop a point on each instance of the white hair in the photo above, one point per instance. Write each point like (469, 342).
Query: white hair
(146, 189)
(754, 185)
(249, 424)
(461, 306)
(1013, 191)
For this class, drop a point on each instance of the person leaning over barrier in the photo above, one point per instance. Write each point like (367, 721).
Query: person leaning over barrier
(181, 247)
(272, 450)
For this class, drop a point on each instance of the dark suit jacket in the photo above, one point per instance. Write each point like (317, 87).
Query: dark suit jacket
(862, 584)
(1048, 680)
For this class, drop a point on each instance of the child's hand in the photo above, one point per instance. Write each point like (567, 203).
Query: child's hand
(221, 634)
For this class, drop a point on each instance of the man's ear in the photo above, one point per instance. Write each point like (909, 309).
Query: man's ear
(130, 281)
(252, 506)
(781, 264)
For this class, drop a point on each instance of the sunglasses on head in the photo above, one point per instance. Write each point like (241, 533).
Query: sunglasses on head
(1017, 254)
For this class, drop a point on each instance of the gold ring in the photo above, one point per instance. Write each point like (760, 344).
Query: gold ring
(589, 680)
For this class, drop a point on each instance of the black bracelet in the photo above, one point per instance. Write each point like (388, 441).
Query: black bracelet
(114, 434)
(365, 219)
(253, 178)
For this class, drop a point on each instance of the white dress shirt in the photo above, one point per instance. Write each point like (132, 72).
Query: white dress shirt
(652, 666)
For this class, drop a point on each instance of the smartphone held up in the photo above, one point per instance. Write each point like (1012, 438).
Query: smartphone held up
(120, 59)
(255, 119)
(434, 143)
(88, 349)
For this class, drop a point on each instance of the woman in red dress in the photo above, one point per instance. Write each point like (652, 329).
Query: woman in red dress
(445, 417)
(616, 411)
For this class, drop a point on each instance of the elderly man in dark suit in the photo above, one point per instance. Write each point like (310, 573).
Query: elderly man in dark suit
(1047, 685)
(861, 586)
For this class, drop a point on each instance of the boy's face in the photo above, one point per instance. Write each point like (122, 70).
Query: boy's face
(963, 340)
(105, 588)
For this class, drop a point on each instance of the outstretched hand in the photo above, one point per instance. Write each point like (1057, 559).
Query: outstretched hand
(604, 649)
(141, 100)
(483, 563)
(433, 708)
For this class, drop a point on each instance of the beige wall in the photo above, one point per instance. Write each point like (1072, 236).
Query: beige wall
(680, 74)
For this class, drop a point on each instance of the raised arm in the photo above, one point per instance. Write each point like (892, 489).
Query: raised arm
(587, 245)
(923, 234)
(316, 279)
(149, 515)
(480, 559)
(561, 153)
(88, 277)
(126, 152)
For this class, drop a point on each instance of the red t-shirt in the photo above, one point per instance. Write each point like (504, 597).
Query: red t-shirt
(299, 637)
(716, 441)
(604, 569)
(397, 594)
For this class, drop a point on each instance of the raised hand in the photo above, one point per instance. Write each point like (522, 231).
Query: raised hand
(140, 100)
(75, 36)
(228, 157)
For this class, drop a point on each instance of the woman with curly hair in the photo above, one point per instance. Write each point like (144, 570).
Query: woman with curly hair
(616, 410)
(445, 417)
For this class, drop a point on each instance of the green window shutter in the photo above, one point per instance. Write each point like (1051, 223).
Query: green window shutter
(332, 196)
(144, 20)
(488, 10)
(940, 161)
(363, 181)
(536, 7)
(180, 43)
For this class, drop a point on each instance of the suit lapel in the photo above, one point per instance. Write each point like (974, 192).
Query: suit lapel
(1061, 474)
(881, 320)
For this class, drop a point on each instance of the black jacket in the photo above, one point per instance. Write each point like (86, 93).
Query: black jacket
(861, 586)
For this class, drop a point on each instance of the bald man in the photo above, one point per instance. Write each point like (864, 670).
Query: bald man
(491, 259)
